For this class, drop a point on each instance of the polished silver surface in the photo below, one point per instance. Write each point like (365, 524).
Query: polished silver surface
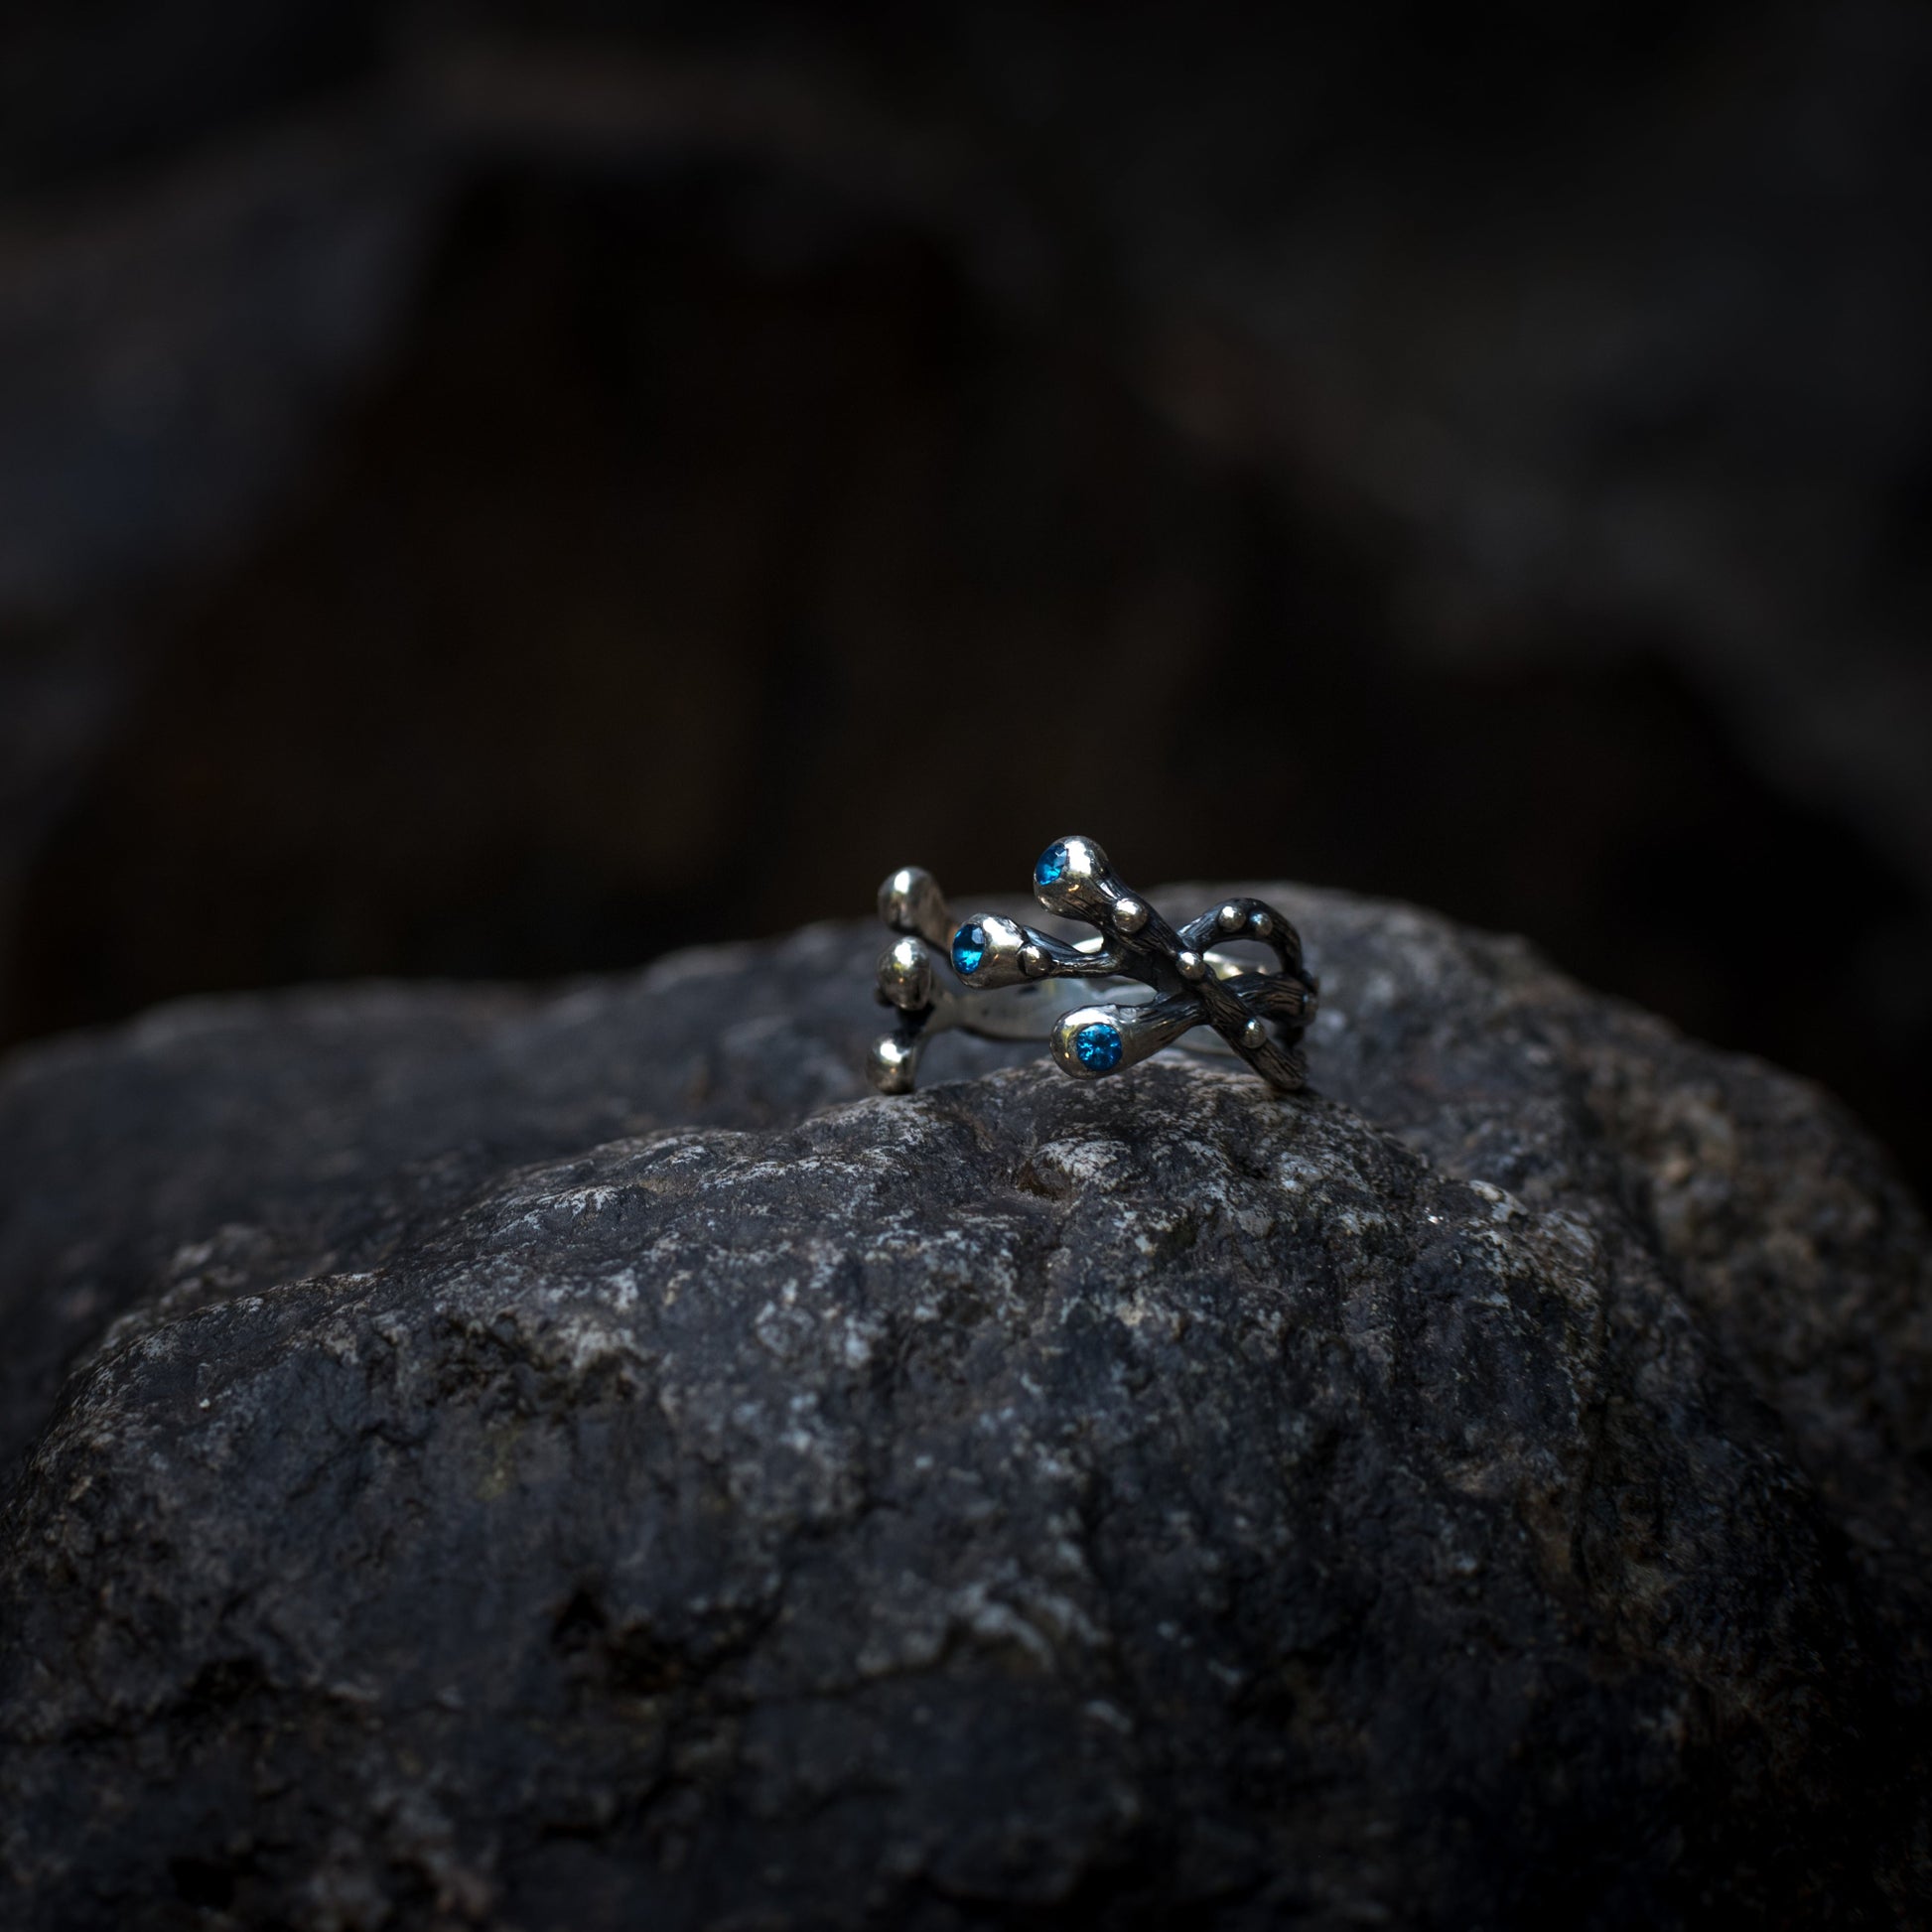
(991, 976)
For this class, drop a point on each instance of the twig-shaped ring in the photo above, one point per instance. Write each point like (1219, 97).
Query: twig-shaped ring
(1010, 982)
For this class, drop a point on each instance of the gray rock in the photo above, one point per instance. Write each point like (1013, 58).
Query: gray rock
(571, 1460)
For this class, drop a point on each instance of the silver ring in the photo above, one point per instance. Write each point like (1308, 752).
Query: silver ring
(1005, 981)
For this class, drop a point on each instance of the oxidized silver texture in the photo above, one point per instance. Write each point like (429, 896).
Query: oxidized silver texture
(989, 975)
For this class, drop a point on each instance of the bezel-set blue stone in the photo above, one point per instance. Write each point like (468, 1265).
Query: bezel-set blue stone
(1052, 865)
(968, 948)
(1098, 1046)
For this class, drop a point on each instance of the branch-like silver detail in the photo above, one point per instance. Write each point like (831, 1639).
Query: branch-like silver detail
(1005, 981)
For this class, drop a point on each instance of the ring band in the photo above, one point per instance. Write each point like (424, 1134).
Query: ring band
(1010, 982)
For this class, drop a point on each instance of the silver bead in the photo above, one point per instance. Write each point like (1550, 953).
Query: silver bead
(906, 974)
(910, 901)
(1192, 966)
(1129, 914)
(893, 1066)
(1230, 918)
(1254, 1035)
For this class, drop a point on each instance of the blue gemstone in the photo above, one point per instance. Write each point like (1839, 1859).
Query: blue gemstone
(1052, 866)
(1098, 1046)
(968, 949)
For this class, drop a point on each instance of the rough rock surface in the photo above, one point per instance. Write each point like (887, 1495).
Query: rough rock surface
(477, 1457)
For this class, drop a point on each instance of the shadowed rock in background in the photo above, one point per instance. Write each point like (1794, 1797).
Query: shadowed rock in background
(488, 494)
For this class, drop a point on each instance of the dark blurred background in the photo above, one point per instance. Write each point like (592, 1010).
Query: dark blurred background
(498, 490)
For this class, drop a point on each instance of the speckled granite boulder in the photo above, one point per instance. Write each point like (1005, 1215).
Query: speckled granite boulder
(481, 1458)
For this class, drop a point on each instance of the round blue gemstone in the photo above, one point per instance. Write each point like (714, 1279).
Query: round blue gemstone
(968, 949)
(1052, 866)
(1098, 1046)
